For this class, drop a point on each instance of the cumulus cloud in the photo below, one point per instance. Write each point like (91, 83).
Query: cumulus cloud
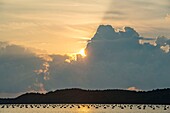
(17, 69)
(124, 59)
(115, 59)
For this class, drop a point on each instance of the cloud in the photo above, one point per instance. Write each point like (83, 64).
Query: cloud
(153, 9)
(133, 89)
(114, 15)
(115, 59)
(124, 62)
(17, 68)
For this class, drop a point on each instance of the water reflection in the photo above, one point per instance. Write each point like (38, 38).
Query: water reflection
(83, 108)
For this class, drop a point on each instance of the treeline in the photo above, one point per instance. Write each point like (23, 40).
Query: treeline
(79, 96)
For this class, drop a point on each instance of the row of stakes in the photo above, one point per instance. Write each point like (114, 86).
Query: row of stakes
(96, 106)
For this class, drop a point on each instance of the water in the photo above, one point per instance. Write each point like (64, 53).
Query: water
(83, 108)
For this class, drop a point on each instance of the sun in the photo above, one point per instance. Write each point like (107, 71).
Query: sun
(82, 53)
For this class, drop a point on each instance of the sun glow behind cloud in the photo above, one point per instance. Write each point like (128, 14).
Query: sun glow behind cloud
(82, 53)
(76, 56)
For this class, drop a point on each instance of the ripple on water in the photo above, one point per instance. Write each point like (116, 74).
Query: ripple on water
(83, 108)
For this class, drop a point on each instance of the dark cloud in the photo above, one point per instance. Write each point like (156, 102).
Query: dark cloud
(17, 68)
(163, 41)
(126, 62)
(114, 60)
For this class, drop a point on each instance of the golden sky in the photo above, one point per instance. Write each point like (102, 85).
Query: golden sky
(64, 26)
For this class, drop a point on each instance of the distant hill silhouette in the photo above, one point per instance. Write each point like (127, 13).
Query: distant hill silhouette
(80, 96)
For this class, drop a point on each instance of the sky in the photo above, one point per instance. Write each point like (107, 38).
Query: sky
(64, 26)
(123, 45)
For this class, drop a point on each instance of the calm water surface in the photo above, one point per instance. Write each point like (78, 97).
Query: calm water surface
(83, 108)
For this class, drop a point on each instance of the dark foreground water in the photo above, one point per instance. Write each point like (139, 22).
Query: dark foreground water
(83, 108)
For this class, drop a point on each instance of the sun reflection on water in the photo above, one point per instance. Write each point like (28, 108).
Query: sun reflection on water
(83, 109)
